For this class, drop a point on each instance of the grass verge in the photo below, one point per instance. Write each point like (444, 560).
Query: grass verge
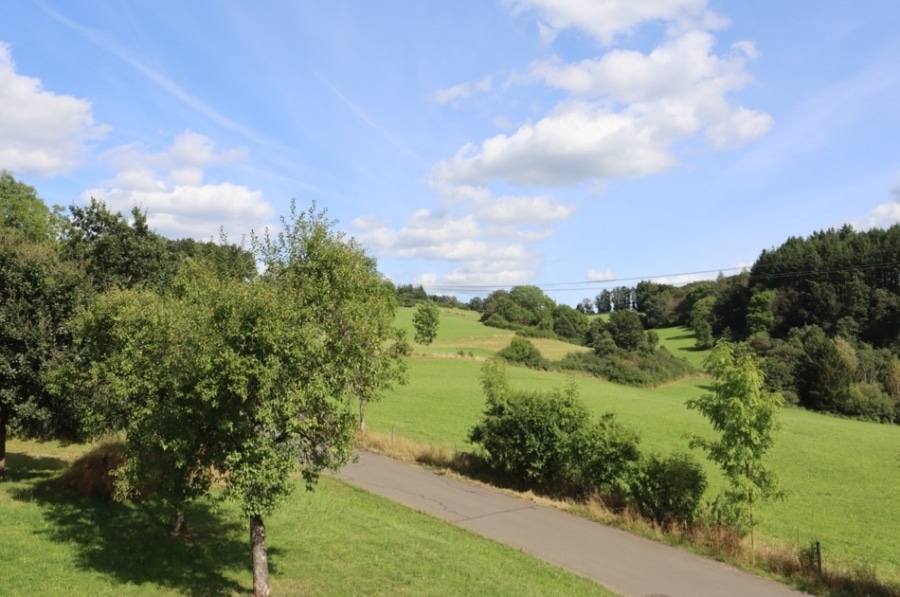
(336, 540)
(795, 564)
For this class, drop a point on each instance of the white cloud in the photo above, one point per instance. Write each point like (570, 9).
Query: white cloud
(604, 20)
(577, 142)
(741, 126)
(546, 34)
(600, 276)
(488, 238)
(461, 91)
(884, 215)
(632, 109)
(170, 186)
(41, 133)
(452, 94)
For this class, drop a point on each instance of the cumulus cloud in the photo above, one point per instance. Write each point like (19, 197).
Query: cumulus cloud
(41, 132)
(604, 20)
(487, 238)
(577, 142)
(170, 186)
(627, 112)
(884, 215)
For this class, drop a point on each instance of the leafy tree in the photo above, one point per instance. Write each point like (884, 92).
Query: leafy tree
(700, 321)
(759, 312)
(626, 329)
(114, 252)
(745, 416)
(426, 321)
(586, 306)
(38, 293)
(268, 373)
(22, 210)
(570, 324)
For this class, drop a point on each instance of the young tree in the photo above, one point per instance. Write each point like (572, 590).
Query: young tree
(426, 320)
(745, 416)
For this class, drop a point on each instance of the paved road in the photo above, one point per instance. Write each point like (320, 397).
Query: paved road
(624, 563)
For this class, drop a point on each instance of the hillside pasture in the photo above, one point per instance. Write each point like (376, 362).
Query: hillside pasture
(842, 476)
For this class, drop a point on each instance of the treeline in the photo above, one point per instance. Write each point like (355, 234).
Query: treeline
(822, 312)
(622, 350)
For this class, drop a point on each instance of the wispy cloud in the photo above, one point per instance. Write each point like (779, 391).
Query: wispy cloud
(402, 147)
(103, 40)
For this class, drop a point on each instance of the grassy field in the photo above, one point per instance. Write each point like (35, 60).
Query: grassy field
(337, 540)
(842, 476)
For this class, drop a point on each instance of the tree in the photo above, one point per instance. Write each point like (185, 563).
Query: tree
(626, 329)
(426, 320)
(260, 383)
(38, 293)
(745, 416)
(114, 252)
(22, 210)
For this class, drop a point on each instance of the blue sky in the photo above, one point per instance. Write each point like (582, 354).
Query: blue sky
(474, 144)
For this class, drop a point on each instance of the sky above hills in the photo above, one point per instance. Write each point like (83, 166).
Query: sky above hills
(474, 144)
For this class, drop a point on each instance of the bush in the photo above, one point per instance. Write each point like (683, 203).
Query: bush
(523, 352)
(669, 490)
(547, 440)
(631, 369)
(526, 434)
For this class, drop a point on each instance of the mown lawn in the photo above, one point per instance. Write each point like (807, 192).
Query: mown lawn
(337, 540)
(842, 476)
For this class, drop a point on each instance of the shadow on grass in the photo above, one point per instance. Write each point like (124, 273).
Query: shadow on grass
(683, 337)
(134, 545)
(21, 468)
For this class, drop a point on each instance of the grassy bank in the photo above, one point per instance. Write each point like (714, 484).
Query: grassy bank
(337, 540)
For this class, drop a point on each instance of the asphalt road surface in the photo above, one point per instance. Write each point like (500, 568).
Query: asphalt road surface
(622, 562)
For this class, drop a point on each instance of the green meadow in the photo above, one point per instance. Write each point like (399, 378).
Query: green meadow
(842, 476)
(336, 540)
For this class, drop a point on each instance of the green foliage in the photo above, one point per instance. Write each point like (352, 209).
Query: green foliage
(251, 381)
(23, 211)
(114, 252)
(745, 416)
(38, 293)
(633, 369)
(570, 324)
(548, 440)
(626, 329)
(523, 352)
(426, 321)
(669, 490)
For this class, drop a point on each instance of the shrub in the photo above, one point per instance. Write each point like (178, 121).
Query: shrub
(669, 490)
(523, 352)
(525, 434)
(548, 440)
(632, 369)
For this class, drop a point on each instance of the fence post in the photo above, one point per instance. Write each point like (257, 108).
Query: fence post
(819, 557)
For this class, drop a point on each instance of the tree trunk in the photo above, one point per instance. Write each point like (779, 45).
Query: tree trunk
(260, 559)
(4, 424)
(179, 526)
(362, 415)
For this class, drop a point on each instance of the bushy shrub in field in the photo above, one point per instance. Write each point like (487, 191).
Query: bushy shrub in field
(669, 490)
(549, 439)
(632, 369)
(523, 352)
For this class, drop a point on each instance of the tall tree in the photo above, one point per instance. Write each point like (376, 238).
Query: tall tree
(746, 418)
(38, 293)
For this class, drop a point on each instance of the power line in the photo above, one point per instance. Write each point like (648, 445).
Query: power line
(601, 284)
